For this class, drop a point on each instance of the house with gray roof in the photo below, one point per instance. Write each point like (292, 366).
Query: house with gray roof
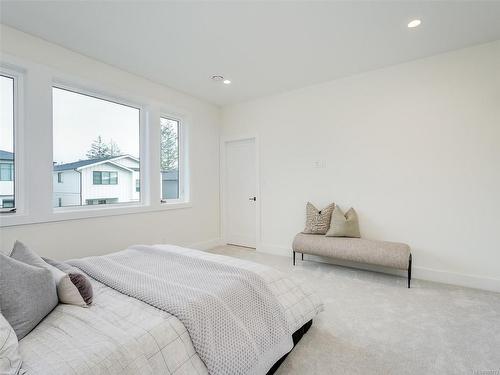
(96, 181)
(114, 179)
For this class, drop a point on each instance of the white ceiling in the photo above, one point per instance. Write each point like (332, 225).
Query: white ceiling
(263, 47)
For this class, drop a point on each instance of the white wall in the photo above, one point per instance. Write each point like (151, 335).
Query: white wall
(197, 223)
(136, 195)
(68, 190)
(6, 187)
(414, 148)
(122, 190)
(135, 166)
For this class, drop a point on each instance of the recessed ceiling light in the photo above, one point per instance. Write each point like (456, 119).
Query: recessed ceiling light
(414, 23)
(227, 82)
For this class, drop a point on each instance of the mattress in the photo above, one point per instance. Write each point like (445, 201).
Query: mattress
(119, 334)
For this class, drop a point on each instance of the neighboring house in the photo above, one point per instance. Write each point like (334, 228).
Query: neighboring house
(96, 181)
(86, 182)
(6, 179)
(170, 185)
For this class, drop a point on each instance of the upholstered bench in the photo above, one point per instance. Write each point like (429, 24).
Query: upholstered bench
(381, 253)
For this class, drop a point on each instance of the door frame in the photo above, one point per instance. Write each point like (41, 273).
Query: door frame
(222, 167)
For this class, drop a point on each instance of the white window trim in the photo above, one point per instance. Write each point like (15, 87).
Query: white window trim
(183, 158)
(19, 197)
(35, 79)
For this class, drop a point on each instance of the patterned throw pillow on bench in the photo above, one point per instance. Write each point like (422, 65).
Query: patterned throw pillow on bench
(318, 221)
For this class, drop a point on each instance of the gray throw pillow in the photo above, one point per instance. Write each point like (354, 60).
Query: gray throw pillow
(344, 225)
(28, 294)
(318, 221)
(21, 253)
(71, 289)
(10, 359)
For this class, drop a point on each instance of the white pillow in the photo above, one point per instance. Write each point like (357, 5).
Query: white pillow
(10, 359)
(68, 292)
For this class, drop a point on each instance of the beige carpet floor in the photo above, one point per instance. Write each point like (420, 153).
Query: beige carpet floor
(373, 324)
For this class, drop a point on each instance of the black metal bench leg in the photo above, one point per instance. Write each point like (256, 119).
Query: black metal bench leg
(409, 272)
(302, 256)
(294, 258)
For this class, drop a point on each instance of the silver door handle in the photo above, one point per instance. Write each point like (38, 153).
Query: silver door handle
(252, 199)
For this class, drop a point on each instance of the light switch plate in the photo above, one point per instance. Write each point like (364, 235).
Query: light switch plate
(319, 164)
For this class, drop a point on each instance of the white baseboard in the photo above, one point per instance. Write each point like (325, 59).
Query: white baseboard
(446, 277)
(421, 273)
(205, 245)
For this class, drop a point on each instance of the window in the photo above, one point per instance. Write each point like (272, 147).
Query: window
(94, 140)
(105, 178)
(97, 178)
(8, 203)
(169, 159)
(7, 190)
(82, 132)
(6, 172)
(113, 178)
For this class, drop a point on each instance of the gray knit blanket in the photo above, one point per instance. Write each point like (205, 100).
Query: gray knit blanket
(236, 324)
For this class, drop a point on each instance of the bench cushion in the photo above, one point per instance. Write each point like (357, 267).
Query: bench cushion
(388, 254)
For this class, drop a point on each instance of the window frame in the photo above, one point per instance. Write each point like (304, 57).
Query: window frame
(33, 98)
(181, 163)
(17, 75)
(75, 87)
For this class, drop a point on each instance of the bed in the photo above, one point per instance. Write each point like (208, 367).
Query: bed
(120, 334)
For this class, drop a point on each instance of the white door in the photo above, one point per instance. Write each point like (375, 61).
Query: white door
(240, 192)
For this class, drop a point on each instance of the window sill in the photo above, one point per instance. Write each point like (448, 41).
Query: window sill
(77, 213)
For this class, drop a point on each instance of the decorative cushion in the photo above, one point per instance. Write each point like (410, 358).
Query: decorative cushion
(344, 225)
(78, 279)
(10, 359)
(318, 221)
(67, 291)
(28, 294)
(21, 253)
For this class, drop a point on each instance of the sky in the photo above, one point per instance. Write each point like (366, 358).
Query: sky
(6, 113)
(79, 119)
